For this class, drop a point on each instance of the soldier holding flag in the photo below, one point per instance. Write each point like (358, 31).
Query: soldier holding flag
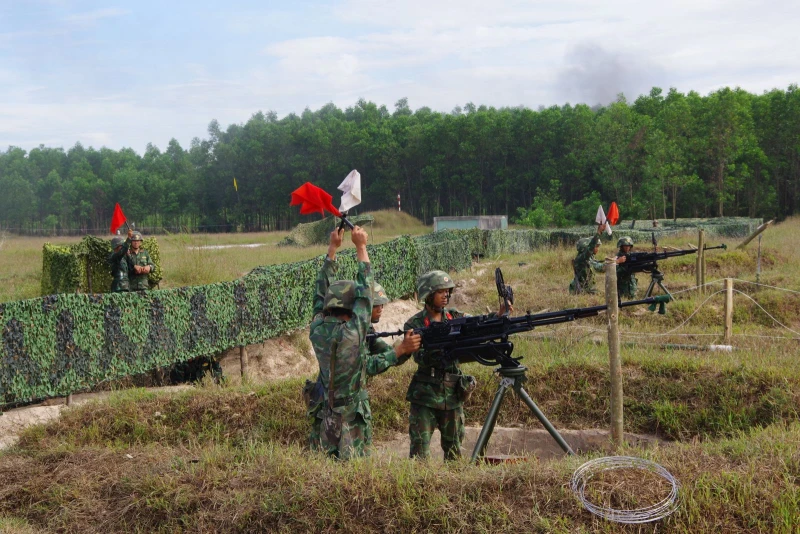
(585, 264)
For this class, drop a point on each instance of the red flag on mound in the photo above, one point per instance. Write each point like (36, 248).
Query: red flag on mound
(313, 199)
(118, 219)
(613, 214)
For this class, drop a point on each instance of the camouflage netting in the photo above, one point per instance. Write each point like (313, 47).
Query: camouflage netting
(492, 243)
(316, 233)
(447, 251)
(64, 269)
(58, 344)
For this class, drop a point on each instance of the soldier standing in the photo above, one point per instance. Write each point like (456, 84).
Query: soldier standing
(585, 264)
(626, 280)
(438, 390)
(139, 264)
(118, 263)
(342, 315)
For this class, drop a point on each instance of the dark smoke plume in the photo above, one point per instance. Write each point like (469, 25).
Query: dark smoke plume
(594, 75)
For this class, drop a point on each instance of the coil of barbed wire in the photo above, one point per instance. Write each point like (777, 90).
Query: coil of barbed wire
(646, 514)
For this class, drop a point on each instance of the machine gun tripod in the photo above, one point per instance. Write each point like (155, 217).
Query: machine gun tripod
(512, 375)
(656, 279)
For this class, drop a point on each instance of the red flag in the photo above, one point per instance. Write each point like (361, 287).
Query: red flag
(613, 214)
(312, 199)
(118, 219)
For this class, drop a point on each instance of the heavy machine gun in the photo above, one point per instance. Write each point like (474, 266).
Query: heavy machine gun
(647, 262)
(485, 339)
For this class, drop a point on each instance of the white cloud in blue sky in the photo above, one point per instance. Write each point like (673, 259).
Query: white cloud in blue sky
(129, 73)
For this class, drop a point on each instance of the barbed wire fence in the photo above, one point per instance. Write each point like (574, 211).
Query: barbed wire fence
(588, 330)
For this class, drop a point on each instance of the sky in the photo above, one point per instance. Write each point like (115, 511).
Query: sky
(125, 74)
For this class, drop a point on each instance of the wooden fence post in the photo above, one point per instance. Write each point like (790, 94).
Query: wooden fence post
(243, 361)
(700, 261)
(757, 232)
(728, 309)
(615, 362)
(758, 264)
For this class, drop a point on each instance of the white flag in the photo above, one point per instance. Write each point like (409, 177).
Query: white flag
(600, 218)
(351, 191)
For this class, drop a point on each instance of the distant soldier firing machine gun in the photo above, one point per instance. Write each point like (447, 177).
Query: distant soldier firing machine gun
(484, 339)
(647, 262)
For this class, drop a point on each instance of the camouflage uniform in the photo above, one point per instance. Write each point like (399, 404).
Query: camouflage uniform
(626, 280)
(343, 425)
(434, 389)
(119, 265)
(139, 282)
(378, 347)
(585, 265)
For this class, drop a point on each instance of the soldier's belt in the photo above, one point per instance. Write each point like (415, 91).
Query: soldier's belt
(437, 376)
(350, 399)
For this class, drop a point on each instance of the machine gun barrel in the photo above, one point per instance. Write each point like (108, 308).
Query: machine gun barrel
(637, 262)
(484, 338)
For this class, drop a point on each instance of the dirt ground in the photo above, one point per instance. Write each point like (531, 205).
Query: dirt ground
(292, 354)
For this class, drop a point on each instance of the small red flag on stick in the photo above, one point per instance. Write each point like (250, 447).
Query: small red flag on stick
(118, 219)
(313, 199)
(613, 214)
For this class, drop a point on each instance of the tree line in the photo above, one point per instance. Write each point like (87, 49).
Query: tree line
(664, 155)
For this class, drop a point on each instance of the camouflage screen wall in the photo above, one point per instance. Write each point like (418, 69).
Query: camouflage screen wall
(58, 344)
(316, 233)
(64, 269)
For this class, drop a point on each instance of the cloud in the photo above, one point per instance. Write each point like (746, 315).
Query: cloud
(90, 17)
(168, 71)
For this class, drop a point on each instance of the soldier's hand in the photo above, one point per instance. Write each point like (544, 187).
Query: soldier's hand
(359, 236)
(601, 228)
(503, 310)
(622, 259)
(411, 343)
(130, 233)
(336, 238)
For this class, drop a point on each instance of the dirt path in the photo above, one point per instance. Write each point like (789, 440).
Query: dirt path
(519, 442)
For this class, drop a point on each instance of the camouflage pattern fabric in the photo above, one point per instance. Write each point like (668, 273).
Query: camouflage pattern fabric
(379, 297)
(431, 282)
(627, 283)
(344, 423)
(422, 421)
(139, 282)
(433, 392)
(585, 265)
(119, 269)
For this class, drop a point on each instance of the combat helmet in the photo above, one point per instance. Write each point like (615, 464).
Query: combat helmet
(117, 241)
(625, 241)
(341, 294)
(431, 282)
(136, 236)
(582, 243)
(379, 297)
